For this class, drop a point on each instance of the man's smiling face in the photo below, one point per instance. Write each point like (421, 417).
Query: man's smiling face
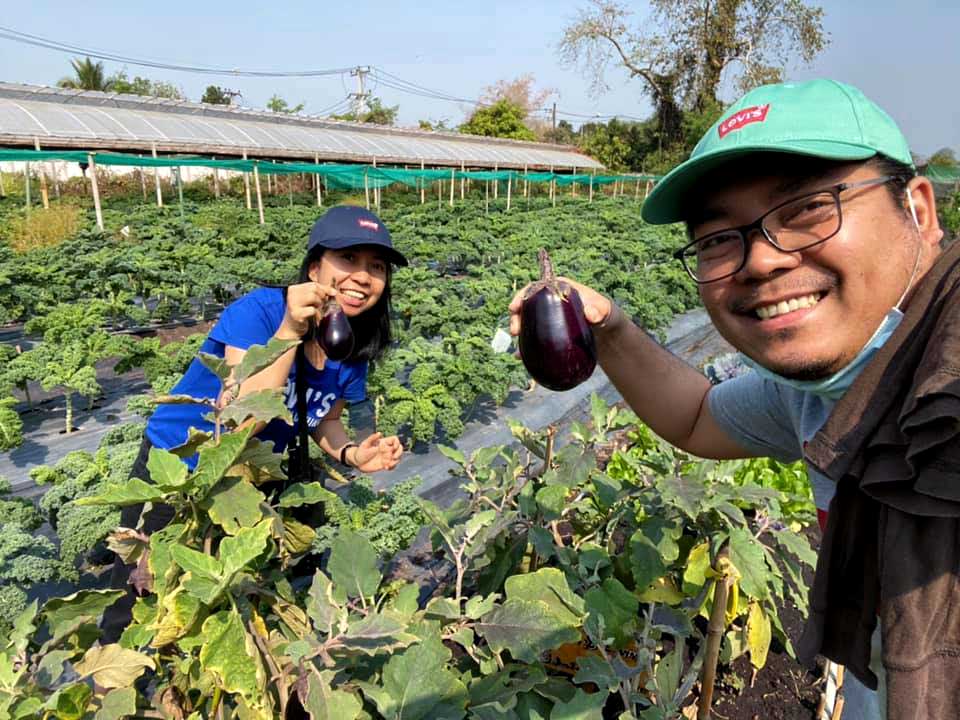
(807, 314)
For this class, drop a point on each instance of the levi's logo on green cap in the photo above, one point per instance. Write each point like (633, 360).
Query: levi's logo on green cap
(757, 113)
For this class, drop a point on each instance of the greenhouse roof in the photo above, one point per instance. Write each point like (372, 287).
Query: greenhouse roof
(60, 118)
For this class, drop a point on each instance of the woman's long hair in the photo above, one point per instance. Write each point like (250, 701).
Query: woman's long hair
(371, 329)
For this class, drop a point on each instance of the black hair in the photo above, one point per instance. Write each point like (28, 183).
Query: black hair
(901, 175)
(372, 330)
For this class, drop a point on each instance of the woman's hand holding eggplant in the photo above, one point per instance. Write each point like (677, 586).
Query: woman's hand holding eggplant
(304, 303)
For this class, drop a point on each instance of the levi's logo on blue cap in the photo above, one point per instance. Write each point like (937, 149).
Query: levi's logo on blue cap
(757, 113)
(368, 224)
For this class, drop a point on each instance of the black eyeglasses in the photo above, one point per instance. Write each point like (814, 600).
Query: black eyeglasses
(792, 226)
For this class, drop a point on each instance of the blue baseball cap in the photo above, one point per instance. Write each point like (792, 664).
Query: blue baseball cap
(348, 225)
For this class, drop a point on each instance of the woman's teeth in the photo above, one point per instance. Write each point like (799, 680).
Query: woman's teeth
(354, 294)
(785, 306)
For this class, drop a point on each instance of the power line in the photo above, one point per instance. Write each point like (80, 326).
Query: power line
(37, 41)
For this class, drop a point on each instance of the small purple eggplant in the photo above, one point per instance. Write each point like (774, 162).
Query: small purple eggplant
(334, 332)
(556, 343)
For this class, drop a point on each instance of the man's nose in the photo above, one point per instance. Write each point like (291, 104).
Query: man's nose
(764, 259)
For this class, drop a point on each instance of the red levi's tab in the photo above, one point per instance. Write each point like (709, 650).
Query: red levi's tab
(368, 224)
(757, 113)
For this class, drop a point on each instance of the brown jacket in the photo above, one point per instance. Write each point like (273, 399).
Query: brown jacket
(891, 548)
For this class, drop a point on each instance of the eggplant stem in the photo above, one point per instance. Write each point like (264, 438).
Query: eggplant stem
(546, 267)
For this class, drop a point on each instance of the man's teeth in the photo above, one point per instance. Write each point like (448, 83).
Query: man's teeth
(785, 306)
(355, 294)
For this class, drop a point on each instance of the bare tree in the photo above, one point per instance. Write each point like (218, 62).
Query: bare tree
(687, 49)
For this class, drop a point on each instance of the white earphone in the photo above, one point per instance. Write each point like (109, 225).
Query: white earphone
(913, 209)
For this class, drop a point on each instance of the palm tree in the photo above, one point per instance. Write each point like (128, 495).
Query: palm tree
(89, 75)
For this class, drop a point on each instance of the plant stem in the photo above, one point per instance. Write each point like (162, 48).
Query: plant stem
(715, 628)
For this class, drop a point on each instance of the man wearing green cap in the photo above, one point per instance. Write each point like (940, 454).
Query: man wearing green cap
(809, 236)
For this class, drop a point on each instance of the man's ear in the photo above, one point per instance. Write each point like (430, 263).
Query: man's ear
(924, 204)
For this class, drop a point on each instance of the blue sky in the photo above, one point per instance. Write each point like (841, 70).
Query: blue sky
(904, 55)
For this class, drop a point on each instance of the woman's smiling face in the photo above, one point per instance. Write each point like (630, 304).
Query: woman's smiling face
(359, 272)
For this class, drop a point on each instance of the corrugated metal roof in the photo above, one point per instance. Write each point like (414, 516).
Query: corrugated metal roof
(62, 118)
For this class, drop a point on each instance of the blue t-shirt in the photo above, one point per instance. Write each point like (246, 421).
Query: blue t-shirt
(252, 320)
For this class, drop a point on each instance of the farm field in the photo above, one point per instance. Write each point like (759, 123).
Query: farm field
(572, 578)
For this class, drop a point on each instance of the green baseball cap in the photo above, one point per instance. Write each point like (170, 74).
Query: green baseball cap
(820, 118)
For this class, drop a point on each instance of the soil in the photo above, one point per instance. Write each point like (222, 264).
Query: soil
(784, 689)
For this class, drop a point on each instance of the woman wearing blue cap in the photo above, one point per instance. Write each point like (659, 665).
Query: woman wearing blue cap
(350, 257)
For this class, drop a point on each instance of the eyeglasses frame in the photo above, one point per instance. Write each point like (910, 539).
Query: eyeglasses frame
(746, 230)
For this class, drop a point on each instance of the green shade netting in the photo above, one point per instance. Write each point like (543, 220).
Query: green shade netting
(942, 174)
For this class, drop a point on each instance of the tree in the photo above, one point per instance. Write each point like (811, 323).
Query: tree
(944, 157)
(121, 83)
(376, 114)
(437, 126)
(502, 119)
(216, 95)
(688, 48)
(562, 134)
(278, 105)
(88, 75)
(523, 93)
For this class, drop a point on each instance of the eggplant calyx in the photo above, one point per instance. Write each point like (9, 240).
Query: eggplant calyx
(548, 280)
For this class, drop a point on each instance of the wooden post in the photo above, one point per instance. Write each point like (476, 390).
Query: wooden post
(646, 190)
(256, 182)
(486, 201)
(290, 187)
(316, 161)
(524, 180)
(3, 190)
(573, 186)
(366, 187)
(376, 189)
(216, 180)
(463, 194)
(143, 180)
(591, 187)
(43, 179)
(439, 194)
(26, 187)
(636, 194)
(496, 183)
(423, 187)
(509, 185)
(246, 184)
(96, 189)
(453, 184)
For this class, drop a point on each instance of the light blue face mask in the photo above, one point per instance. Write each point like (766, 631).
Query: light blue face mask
(834, 386)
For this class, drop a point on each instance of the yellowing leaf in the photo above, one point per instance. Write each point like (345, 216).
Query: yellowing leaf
(758, 635)
(113, 666)
(231, 655)
(663, 590)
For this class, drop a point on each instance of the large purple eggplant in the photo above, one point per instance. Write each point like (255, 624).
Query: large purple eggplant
(334, 332)
(556, 343)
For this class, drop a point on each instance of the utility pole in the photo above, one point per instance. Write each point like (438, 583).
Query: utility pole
(360, 96)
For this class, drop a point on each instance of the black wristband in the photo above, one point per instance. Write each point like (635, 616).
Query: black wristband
(343, 452)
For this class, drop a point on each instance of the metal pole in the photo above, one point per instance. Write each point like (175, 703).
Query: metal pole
(423, 187)
(143, 181)
(463, 194)
(179, 179)
(96, 190)
(509, 184)
(216, 180)
(316, 161)
(56, 178)
(246, 185)
(366, 187)
(26, 180)
(591, 187)
(496, 183)
(256, 182)
(453, 184)
(290, 187)
(43, 179)
(156, 176)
